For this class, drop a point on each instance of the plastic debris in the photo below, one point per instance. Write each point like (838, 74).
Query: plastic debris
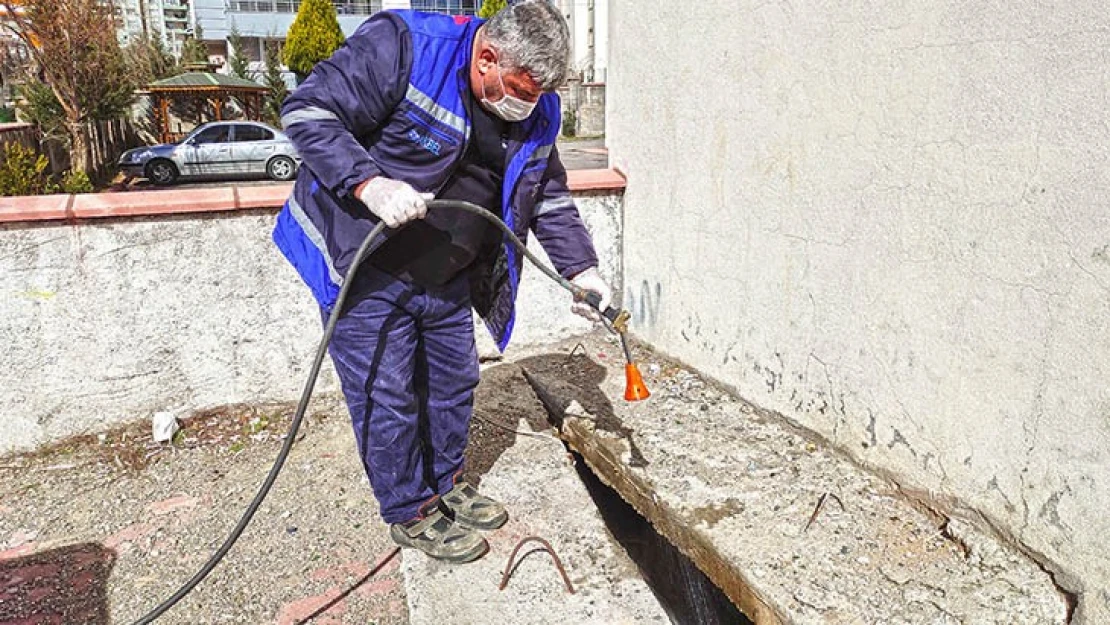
(163, 426)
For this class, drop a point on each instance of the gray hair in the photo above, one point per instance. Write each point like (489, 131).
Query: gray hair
(531, 35)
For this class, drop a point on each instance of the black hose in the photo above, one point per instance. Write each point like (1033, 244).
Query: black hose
(310, 384)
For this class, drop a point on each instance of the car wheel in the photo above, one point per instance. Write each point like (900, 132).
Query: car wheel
(281, 168)
(161, 172)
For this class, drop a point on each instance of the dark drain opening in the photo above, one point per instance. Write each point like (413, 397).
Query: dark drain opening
(688, 596)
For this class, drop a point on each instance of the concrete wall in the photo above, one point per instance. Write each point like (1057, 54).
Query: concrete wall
(888, 222)
(111, 320)
(586, 103)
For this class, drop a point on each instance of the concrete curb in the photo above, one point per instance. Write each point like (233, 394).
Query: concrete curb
(790, 529)
(85, 206)
(536, 481)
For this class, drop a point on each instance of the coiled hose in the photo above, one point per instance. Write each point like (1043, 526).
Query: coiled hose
(310, 384)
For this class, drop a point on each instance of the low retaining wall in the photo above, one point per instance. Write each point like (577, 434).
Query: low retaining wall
(119, 305)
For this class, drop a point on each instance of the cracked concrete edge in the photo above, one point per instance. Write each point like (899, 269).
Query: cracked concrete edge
(982, 523)
(941, 507)
(603, 456)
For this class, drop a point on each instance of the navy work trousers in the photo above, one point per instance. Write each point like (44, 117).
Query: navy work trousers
(408, 365)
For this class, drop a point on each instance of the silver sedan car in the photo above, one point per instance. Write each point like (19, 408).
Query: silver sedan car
(216, 150)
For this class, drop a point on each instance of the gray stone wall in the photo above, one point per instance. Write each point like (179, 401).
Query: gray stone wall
(888, 221)
(109, 321)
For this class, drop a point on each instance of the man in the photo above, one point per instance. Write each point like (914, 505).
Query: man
(416, 106)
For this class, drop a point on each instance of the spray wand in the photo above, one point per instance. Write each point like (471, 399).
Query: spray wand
(617, 320)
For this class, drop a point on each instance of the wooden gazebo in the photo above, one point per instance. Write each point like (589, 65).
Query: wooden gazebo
(204, 87)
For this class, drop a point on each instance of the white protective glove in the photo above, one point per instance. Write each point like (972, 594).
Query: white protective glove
(591, 280)
(394, 202)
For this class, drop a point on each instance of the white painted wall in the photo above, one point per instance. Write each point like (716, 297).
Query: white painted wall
(110, 321)
(889, 222)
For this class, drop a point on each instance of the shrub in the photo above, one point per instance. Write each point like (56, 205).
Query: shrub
(570, 123)
(76, 181)
(23, 172)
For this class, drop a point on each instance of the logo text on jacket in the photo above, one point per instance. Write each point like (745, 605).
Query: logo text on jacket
(427, 143)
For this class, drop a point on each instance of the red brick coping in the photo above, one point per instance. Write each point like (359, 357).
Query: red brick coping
(214, 199)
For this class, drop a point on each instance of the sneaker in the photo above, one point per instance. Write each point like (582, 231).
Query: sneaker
(440, 538)
(472, 509)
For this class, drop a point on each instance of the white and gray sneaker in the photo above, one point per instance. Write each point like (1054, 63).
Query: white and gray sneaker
(473, 509)
(440, 538)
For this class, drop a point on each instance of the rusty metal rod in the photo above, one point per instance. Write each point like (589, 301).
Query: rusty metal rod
(509, 567)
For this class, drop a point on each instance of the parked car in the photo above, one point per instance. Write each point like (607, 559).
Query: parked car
(235, 149)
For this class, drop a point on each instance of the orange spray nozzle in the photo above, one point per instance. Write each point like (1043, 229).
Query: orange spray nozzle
(634, 389)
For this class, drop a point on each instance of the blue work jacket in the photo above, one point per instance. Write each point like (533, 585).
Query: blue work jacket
(390, 102)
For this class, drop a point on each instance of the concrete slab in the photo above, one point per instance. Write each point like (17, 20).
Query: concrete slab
(790, 529)
(534, 477)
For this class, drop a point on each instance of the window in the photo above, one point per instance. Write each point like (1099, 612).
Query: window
(342, 7)
(263, 6)
(245, 132)
(452, 7)
(357, 7)
(212, 134)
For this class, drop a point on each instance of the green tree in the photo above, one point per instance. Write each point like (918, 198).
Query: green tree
(194, 49)
(490, 8)
(41, 107)
(272, 78)
(237, 62)
(73, 44)
(313, 37)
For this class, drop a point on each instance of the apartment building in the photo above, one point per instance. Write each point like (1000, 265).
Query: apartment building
(260, 20)
(172, 20)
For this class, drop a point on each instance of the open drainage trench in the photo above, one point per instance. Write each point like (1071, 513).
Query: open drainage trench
(687, 594)
(684, 591)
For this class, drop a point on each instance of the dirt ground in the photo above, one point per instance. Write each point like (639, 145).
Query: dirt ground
(101, 528)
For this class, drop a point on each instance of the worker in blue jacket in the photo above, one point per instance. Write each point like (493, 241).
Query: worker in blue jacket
(418, 106)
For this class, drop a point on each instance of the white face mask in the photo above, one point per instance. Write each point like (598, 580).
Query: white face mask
(508, 108)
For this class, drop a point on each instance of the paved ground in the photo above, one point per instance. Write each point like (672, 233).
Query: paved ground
(586, 153)
(535, 478)
(100, 529)
(311, 543)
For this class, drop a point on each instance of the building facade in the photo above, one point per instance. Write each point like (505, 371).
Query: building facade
(259, 21)
(172, 20)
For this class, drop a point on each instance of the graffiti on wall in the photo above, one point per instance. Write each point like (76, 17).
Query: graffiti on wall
(644, 303)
